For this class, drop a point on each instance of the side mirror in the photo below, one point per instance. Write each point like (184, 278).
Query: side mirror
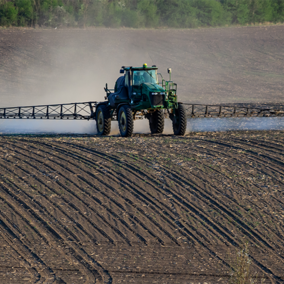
(121, 71)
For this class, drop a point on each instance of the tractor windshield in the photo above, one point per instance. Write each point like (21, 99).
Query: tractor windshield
(144, 76)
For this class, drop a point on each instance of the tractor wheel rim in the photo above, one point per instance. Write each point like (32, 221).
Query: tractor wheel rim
(123, 121)
(100, 121)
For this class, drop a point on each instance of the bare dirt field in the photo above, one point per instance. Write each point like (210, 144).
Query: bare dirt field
(224, 65)
(148, 209)
(141, 210)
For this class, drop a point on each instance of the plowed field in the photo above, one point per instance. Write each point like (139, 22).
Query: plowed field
(147, 209)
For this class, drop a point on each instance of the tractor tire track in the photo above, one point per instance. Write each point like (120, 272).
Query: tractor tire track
(129, 201)
(187, 232)
(58, 234)
(266, 164)
(51, 229)
(231, 198)
(180, 200)
(263, 167)
(133, 169)
(114, 214)
(266, 244)
(20, 246)
(19, 250)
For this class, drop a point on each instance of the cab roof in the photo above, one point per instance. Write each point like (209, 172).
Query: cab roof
(130, 68)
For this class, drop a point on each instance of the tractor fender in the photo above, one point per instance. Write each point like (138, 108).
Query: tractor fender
(119, 106)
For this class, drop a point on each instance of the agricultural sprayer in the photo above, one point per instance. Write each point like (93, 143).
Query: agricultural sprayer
(141, 92)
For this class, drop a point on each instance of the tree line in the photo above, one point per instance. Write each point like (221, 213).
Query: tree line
(139, 13)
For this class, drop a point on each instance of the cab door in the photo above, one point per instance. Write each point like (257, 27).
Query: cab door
(128, 84)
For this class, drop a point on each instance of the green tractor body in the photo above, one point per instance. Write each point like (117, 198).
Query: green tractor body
(138, 94)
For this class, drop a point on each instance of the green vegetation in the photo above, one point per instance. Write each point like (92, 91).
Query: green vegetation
(242, 269)
(139, 13)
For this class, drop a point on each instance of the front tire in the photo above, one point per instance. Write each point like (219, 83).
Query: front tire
(103, 120)
(125, 121)
(179, 121)
(156, 122)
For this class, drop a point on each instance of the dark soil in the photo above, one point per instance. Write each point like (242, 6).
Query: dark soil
(147, 209)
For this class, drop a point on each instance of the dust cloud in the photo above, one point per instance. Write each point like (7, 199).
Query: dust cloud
(236, 123)
(218, 124)
(31, 126)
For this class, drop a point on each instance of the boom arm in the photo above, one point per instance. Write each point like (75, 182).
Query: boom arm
(84, 110)
(199, 110)
(87, 110)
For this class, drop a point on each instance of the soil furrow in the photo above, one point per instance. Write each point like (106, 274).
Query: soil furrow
(56, 232)
(19, 250)
(46, 274)
(20, 240)
(55, 239)
(258, 237)
(227, 154)
(103, 156)
(265, 167)
(179, 178)
(271, 157)
(268, 145)
(234, 157)
(56, 206)
(129, 201)
(76, 209)
(70, 145)
(198, 241)
(198, 177)
(248, 232)
(231, 198)
(115, 202)
(101, 204)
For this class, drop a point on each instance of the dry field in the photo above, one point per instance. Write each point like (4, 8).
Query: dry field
(144, 210)
(226, 65)
(149, 209)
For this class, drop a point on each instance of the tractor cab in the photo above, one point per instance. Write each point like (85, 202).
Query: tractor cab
(135, 82)
(135, 77)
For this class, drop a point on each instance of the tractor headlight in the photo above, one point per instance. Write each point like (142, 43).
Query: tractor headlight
(162, 93)
(154, 94)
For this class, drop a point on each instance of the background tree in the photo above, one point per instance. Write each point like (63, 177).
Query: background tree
(139, 13)
(8, 14)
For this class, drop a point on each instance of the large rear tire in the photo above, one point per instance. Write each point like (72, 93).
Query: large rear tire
(103, 120)
(125, 121)
(179, 120)
(156, 122)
